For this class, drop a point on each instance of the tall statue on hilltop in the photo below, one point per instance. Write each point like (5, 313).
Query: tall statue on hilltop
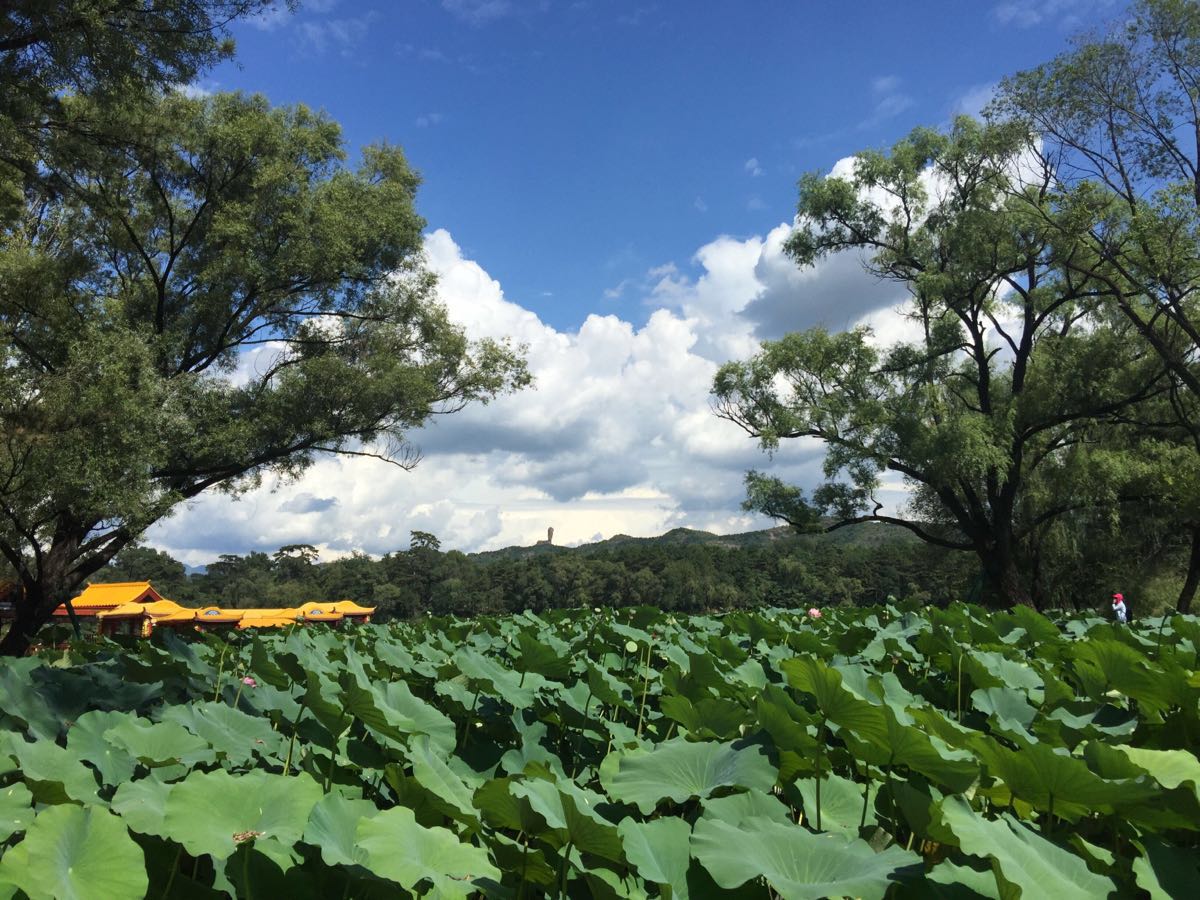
(549, 538)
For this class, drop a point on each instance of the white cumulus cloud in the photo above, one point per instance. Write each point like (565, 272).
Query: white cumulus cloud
(616, 436)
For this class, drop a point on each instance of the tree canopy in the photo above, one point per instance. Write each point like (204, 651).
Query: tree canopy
(213, 297)
(988, 408)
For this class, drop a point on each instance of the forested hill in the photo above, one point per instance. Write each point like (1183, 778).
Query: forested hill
(870, 535)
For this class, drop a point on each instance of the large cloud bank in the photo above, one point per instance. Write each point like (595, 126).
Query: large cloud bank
(616, 436)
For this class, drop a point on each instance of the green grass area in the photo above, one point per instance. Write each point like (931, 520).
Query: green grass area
(629, 753)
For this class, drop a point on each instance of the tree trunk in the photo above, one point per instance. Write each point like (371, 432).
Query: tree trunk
(31, 613)
(1004, 582)
(1188, 593)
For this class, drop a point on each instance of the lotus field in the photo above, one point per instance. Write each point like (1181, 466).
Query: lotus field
(630, 753)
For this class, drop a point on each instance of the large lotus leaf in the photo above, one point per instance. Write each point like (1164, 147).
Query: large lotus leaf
(910, 746)
(16, 811)
(396, 699)
(678, 770)
(844, 803)
(142, 805)
(1085, 720)
(86, 740)
(489, 676)
(401, 850)
(432, 773)
(232, 733)
(798, 864)
(158, 743)
(660, 851)
(1021, 857)
(568, 812)
(1131, 673)
(607, 689)
(502, 809)
(212, 812)
(948, 881)
(1048, 779)
(531, 750)
(736, 808)
(1166, 872)
(786, 721)
(1007, 710)
(332, 826)
(836, 703)
(1170, 768)
(711, 717)
(75, 853)
(517, 857)
(541, 658)
(29, 707)
(53, 773)
(987, 669)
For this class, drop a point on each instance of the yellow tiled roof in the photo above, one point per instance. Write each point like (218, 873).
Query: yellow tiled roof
(155, 610)
(216, 614)
(345, 607)
(109, 596)
(266, 621)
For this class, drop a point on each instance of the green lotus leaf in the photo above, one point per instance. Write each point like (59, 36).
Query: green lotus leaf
(332, 825)
(232, 733)
(143, 804)
(1021, 857)
(679, 769)
(1166, 872)
(1170, 768)
(432, 773)
(53, 773)
(736, 808)
(570, 813)
(1048, 779)
(75, 853)
(1008, 711)
(401, 850)
(987, 669)
(842, 804)
(541, 658)
(950, 882)
(839, 705)
(16, 811)
(212, 812)
(910, 746)
(660, 851)
(712, 717)
(798, 864)
(86, 739)
(158, 743)
(487, 674)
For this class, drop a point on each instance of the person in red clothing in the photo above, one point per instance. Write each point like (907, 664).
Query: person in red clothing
(1119, 608)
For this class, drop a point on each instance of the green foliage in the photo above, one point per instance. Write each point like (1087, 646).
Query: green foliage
(879, 752)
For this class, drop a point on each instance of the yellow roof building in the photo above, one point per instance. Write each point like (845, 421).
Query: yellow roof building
(138, 600)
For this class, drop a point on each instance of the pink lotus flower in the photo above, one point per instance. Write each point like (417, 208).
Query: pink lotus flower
(814, 613)
(249, 682)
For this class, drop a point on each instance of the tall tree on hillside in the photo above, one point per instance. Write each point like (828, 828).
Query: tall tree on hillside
(997, 393)
(1118, 118)
(215, 299)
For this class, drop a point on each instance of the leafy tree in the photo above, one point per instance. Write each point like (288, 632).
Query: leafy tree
(218, 299)
(997, 397)
(1117, 118)
(113, 51)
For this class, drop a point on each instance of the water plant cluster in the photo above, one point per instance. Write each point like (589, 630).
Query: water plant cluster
(632, 753)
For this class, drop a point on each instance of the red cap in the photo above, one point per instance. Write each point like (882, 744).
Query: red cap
(1120, 597)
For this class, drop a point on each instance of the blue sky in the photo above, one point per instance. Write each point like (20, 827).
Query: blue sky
(610, 183)
(572, 146)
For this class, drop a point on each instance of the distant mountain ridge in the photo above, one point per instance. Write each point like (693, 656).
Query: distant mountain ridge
(867, 534)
